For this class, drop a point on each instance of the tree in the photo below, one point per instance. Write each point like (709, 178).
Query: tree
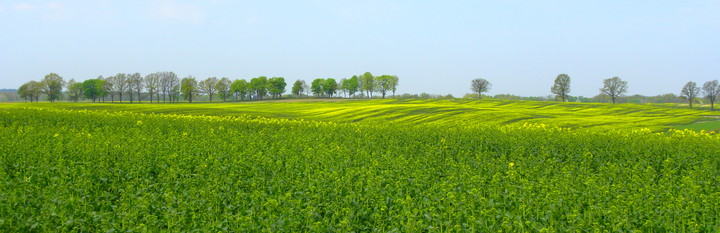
(276, 86)
(105, 88)
(152, 83)
(711, 89)
(258, 86)
(561, 88)
(188, 88)
(479, 86)
(52, 86)
(30, 91)
(119, 84)
(135, 84)
(330, 86)
(367, 84)
(239, 87)
(352, 85)
(384, 84)
(223, 88)
(690, 91)
(75, 90)
(614, 87)
(393, 83)
(168, 81)
(317, 87)
(207, 86)
(297, 88)
(93, 88)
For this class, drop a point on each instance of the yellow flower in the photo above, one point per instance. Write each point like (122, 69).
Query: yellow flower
(56, 135)
(139, 123)
(511, 164)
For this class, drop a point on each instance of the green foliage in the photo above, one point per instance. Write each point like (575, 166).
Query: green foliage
(93, 88)
(52, 86)
(188, 88)
(102, 171)
(276, 86)
(258, 86)
(240, 88)
(318, 86)
(297, 88)
(330, 87)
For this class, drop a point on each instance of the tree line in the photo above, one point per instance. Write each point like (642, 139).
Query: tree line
(614, 88)
(168, 87)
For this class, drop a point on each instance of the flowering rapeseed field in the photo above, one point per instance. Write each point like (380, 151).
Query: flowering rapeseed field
(123, 169)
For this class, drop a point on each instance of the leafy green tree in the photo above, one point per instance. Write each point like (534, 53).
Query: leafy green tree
(52, 86)
(276, 86)
(384, 84)
(330, 87)
(74, 90)
(367, 84)
(30, 91)
(711, 89)
(352, 85)
(614, 87)
(317, 87)
(239, 87)
(223, 88)
(297, 88)
(207, 86)
(480, 85)
(259, 86)
(93, 88)
(690, 91)
(561, 87)
(188, 88)
(394, 81)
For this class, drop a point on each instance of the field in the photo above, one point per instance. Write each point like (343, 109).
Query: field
(381, 165)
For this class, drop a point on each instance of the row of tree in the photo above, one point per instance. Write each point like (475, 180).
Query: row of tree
(166, 84)
(614, 88)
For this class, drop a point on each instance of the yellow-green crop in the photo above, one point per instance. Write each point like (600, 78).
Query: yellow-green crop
(131, 170)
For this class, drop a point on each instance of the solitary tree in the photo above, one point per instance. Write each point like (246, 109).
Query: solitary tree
(561, 88)
(52, 86)
(223, 88)
(614, 87)
(711, 89)
(480, 85)
(383, 84)
(207, 86)
(297, 88)
(690, 91)
(239, 87)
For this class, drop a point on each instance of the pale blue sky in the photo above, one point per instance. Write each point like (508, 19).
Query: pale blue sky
(433, 46)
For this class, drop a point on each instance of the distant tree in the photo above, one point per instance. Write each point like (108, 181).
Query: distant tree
(52, 86)
(382, 83)
(93, 88)
(30, 91)
(690, 91)
(239, 87)
(74, 90)
(367, 83)
(393, 83)
(561, 88)
(168, 81)
(207, 86)
(297, 88)
(711, 89)
(276, 86)
(614, 87)
(352, 85)
(479, 86)
(152, 83)
(119, 84)
(259, 86)
(330, 87)
(317, 87)
(106, 88)
(136, 86)
(223, 88)
(188, 88)
(306, 88)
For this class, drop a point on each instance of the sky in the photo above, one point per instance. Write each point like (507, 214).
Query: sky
(435, 47)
